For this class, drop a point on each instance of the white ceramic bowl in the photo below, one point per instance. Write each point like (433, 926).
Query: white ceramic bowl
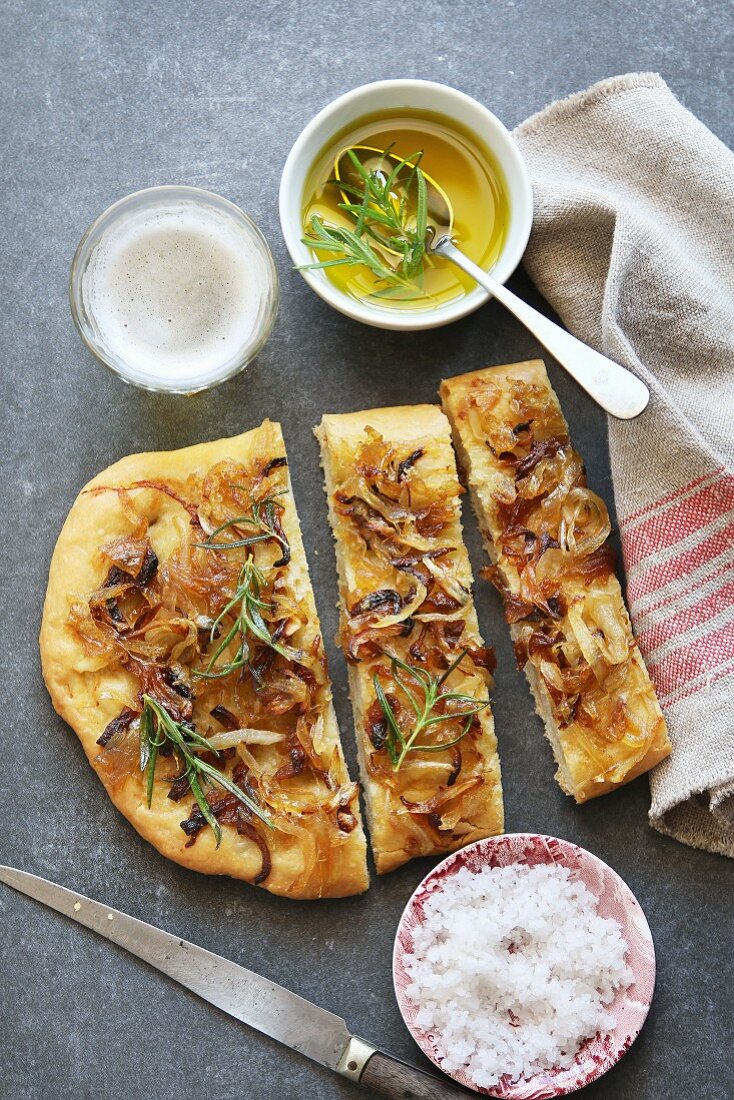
(407, 95)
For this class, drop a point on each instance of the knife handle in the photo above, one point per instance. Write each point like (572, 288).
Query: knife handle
(397, 1080)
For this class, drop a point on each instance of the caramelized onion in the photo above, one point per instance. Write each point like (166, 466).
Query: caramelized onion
(414, 562)
(532, 602)
(584, 524)
(245, 736)
(274, 464)
(586, 641)
(524, 547)
(225, 717)
(597, 566)
(99, 639)
(370, 642)
(121, 722)
(599, 651)
(284, 690)
(565, 681)
(407, 463)
(535, 643)
(132, 556)
(442, 797)
(119, 757)
(309, 735)
(296, 762)
(246, 828)
(154, 681)
(386, 608)
(449, 583)
(346, 819)
(610, 635)
(540, 449)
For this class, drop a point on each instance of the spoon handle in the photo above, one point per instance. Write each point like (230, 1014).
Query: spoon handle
(612, 386)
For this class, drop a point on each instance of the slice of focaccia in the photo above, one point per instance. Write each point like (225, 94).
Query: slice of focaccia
(181, 642)
(418, 671)
(546, 533)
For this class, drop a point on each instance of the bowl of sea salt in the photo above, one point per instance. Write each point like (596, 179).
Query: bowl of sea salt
(524, 967)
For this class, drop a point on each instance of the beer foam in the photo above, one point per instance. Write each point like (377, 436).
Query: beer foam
(177, 292)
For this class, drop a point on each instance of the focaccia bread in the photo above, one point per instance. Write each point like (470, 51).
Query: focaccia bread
(181, 642)
(429, 764)
(546, 534)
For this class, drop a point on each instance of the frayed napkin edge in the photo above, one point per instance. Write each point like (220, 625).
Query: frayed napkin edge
(696, 827)
(579, 101)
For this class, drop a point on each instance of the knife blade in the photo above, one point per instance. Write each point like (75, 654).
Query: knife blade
(247, 996)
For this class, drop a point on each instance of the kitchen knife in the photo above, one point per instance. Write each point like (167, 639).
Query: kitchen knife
(247, 996)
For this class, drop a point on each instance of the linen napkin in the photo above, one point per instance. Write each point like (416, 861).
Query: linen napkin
(633, 246)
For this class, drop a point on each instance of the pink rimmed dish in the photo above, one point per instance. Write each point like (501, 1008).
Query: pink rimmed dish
(614, 899)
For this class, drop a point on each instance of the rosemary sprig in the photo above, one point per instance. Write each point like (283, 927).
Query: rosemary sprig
(158, 727)
(423, 693)
(262, 516)
(353, 249)
(390, 214)
(248, 621)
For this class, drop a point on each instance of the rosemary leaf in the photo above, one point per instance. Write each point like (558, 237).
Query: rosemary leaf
(331, 263)
(203, 805)
(394, 223)
(247, 606)
(158, 727)
(375, 215)
(397, 736)
(146, 732)
(265, 525)
(423, 693)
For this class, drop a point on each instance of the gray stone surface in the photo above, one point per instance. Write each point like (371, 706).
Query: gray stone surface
(99, 99)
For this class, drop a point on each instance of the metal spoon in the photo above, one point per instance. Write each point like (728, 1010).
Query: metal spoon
(612, 386)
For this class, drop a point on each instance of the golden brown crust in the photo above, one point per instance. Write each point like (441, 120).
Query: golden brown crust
(88, 699)
(397, 834)
(586, 758)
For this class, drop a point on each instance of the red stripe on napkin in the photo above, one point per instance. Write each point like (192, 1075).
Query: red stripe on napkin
(657, 576)
(671, 496)
(667, 546)
(702, 661)
(708, 679)
(677, 521)
(690, 617)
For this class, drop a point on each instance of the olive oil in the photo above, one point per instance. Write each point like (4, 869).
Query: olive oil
(464, 169)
